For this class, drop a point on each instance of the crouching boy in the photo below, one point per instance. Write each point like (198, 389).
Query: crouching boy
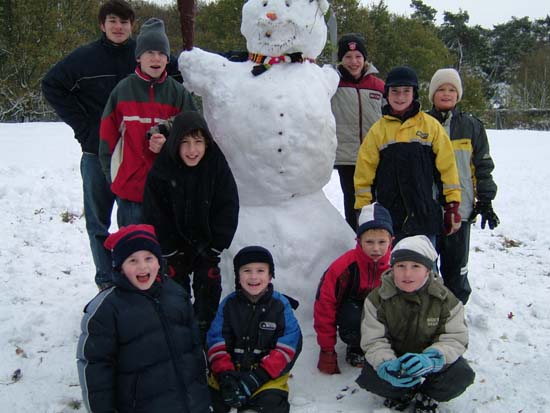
(139, 349)
(346, 283)
(413, 333)
(254, 340)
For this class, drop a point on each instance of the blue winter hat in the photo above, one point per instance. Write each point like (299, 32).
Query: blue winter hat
(374, 216)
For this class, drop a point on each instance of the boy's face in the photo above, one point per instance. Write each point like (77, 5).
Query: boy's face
(354, 62)
(116, 29)
(375, 243)
(141, 268)
(153, 63)
(409, 276)
(192, 149)
(445, 97)
(400, 98)
(254, 277)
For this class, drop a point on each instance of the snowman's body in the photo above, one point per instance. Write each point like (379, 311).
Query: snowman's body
(277, 132)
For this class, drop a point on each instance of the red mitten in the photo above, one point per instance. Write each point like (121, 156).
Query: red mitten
(328, 362)
(451, 218)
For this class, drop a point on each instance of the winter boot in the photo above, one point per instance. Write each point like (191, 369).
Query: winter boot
(425, 404)
(355, 356)
(402, 403)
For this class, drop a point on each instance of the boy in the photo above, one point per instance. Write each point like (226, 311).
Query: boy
(191, 199)
(254, 340)
(77, 88)
(346, 283)
(139, 102)
(356, 105)
(475, 166)
(403, 161)
(413, 333)
(139, 348)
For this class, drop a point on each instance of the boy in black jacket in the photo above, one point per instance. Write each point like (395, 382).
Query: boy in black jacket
(254, 340)
(139, 349)
(191, 199)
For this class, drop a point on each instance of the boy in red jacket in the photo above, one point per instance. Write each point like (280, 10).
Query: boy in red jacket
(346, 283)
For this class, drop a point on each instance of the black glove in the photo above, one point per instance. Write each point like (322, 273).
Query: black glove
(251, 381)
(485, 209)
(232, 393)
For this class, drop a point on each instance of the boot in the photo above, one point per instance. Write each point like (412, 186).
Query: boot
(355, 356)
(425, 404)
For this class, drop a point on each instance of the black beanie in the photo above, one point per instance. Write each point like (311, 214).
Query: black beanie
(351, 41)
(152, 36)
(402, 76)
(250, 254)
(130, 239)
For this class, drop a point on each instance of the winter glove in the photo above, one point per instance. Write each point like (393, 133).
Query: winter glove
(232, 393)
(485, 209)
(390, 371)
(451, 218)
(418, 365)
(251, 381)
(328, 362)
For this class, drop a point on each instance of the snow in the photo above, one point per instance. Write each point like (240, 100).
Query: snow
(48, 278)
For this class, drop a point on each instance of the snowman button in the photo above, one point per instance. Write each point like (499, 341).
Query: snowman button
(280, 132)
(279, 150)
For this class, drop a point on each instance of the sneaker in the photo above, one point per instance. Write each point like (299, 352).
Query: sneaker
(425, 404)
(355, 356)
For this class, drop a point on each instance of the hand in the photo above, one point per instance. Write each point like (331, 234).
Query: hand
(156, 142)
(485, 209)
(418, 365)
(328, 362)
(232, 393)
(391, 372)
(251, 381)
(451, 218)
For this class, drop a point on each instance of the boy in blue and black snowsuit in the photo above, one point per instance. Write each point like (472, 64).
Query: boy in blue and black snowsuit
(475, 167)
(254, 340)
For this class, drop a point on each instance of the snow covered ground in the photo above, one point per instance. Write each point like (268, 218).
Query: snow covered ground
(47, 278)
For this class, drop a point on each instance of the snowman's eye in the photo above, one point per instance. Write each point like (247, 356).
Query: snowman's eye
(264, 3)
(287, 3)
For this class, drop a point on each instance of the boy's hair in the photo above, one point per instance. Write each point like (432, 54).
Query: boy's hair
(374, 216)
(442, 76)
(130, 239)
(119, 8)
(253, 253)
(417, 248)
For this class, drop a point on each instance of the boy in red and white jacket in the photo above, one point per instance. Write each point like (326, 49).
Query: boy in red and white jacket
(345, 285)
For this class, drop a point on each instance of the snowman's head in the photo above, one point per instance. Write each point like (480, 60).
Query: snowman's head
(277, 27)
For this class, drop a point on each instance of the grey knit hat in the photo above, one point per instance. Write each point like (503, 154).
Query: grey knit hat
(152, 36)
(417, 248)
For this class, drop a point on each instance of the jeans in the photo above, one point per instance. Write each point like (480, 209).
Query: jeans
(98, 206)
(128, 212)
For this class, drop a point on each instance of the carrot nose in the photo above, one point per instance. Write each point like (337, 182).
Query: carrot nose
(271, 15)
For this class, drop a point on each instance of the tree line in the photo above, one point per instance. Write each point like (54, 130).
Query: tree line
(506, 67)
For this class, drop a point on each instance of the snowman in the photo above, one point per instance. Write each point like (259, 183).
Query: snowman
(272, 118)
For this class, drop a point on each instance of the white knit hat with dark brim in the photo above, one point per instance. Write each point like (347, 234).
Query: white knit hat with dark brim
(442, 76)
(417, 248)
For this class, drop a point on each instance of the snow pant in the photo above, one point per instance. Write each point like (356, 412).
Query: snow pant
(128, 212)
(453, 261)
(266, 401)
(348, 321)
(346, 172)
(98, 206)
(441, 386)
(206, 286)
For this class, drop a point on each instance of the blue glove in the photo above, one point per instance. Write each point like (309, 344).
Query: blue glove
(390, 371)
(418, 365)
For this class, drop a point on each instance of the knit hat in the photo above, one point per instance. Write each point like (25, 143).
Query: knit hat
(351, 41)
(442, 76)
(250, 254)
(402, 76)
(152, 36)
(130, 239)
(374, 216)
(417, 248)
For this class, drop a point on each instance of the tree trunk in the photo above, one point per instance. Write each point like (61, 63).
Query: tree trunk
(187, 11)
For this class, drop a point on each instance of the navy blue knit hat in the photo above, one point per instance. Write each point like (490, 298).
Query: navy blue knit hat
(130, 239)
(351, 41)
(374, 216)
(253, 253)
